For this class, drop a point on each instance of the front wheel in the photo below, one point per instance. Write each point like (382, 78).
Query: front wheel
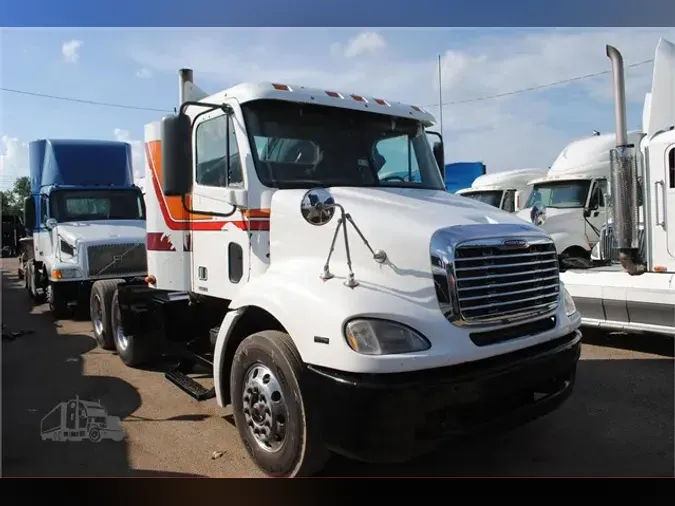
(58, 304)
(276, 424)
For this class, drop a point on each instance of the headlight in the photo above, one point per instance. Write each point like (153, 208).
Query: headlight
(383, 337)
(570, 306)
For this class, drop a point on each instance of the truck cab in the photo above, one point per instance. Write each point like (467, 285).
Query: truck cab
(633, 288)
(340, 309)
(87, 222)
(570, 201)
(507, 190)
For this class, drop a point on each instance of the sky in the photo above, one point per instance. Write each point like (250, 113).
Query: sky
(138, 68)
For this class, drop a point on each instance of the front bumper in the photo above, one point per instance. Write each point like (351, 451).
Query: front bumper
(394, 417)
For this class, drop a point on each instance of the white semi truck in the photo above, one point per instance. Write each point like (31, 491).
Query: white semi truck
(569, 201)
(339, 311)
(508, 190)
(635, 290)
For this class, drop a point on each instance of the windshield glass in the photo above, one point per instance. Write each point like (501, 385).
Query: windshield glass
(88, 205)
(560, 194)
(494, 197)
(306, 145)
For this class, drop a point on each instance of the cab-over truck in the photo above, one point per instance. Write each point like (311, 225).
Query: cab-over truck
(339, 311)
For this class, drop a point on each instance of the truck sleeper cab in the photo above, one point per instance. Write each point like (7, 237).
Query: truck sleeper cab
(507, 190)
(339, 309)
(570, 201)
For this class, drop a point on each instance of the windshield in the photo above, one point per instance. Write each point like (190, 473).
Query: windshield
(88, 205)
(560, 194)
(306, 145)
(494, 197)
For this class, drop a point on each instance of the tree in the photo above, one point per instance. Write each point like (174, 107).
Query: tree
(21, 189)
(12, 200)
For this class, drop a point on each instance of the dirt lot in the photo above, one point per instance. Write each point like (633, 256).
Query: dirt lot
(619, 421)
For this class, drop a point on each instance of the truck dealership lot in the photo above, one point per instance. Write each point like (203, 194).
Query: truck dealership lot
(618, 422)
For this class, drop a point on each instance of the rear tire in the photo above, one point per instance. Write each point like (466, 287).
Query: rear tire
(133, 350)
(100, 301)
(277, 426)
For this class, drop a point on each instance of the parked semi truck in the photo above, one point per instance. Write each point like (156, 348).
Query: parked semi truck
(569, 201)
(87, 226)
(508, 190)
(339, 311)
(634, 290)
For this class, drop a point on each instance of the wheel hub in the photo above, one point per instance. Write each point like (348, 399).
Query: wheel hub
(264, 408)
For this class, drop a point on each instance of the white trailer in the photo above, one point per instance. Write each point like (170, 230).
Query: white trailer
(569, 201)
(508, 190)
(635, 290)
(340, 308)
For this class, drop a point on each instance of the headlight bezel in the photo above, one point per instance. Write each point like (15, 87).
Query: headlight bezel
(383, 348)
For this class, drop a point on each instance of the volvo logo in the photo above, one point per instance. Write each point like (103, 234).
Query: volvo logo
(515, 244)
(117, 259)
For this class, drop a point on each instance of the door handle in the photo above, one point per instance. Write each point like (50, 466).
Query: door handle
(660, 222)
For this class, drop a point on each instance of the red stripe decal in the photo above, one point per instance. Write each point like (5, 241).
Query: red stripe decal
(157, 241)
(261, 216)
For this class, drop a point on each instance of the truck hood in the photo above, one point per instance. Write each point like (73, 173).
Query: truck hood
(109, 231)
(558, 220)
(400, 222)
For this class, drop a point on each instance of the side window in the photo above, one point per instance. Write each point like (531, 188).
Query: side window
(509, 201)
(395, 160)
(44, 203)
(671, 168)
(211, 157)
(597, 196)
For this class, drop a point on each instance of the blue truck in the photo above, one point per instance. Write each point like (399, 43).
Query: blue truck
(85, 220)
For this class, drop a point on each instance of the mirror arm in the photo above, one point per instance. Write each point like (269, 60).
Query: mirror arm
(209, 108)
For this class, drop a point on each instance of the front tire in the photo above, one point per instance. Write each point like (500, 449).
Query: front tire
(100, 301)
(58, 304)
(276, 424)
(133, 350)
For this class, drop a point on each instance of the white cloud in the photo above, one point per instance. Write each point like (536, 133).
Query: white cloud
(522, 130)
(364, 42)
(71, 50)
(144, 73)
(137, 152)
(13, 160)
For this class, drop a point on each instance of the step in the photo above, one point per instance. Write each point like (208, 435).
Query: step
(190, 386)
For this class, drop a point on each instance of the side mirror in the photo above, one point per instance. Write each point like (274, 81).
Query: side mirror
(518, 200)
(29, 212)
(440, 157)
(176, 155)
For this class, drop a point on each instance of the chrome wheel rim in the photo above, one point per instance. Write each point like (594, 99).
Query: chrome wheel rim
(120, 336)
(97, 315)
(264, 407)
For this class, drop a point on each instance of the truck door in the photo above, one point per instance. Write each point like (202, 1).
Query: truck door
(220, 244)
(598, 212)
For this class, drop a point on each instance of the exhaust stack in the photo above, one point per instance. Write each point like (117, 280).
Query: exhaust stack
(624, 185)
(184, 76)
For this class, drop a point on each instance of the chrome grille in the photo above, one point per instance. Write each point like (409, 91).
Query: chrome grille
(109, 260)
(494, 282)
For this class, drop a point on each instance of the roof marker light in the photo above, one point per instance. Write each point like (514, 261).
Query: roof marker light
(359, 98)
(416, 108)
(281, 87)
(382, 102)
(334, 94)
